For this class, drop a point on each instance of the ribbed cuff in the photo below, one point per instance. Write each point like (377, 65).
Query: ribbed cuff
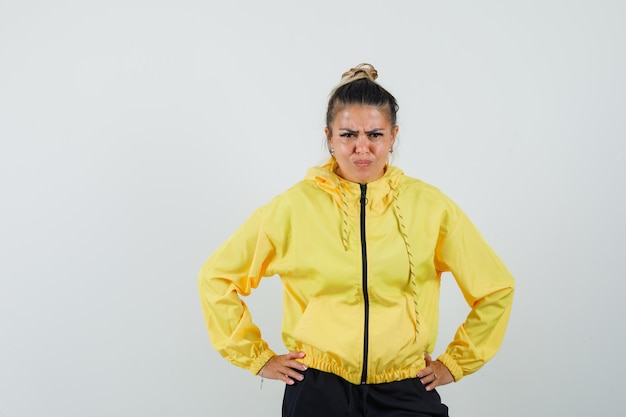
(453, 367)
(260, 361)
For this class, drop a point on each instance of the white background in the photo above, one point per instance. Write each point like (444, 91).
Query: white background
(135, 136)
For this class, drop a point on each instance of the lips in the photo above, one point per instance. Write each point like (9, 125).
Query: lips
(362, 163)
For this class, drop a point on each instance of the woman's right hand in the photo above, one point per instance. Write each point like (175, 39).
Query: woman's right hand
(284, 368)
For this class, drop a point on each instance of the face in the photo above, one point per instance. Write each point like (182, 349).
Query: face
(361, 139)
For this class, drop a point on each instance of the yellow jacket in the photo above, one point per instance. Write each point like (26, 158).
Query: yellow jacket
(364, 312)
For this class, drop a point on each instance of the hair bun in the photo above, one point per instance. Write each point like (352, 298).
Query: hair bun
(358, 72)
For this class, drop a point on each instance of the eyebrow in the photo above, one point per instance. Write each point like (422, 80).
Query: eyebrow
(378, 129)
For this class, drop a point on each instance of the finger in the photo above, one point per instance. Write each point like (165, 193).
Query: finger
(428, 368)
(285, 368)
(293, 363)
(431, 386)
(286, 379)
(286, 374)
(295, 355)
(290, 368)
(293, 374)
(290, 380)
(289, 372)
(296, 365)
(427, 378)
(431, 380)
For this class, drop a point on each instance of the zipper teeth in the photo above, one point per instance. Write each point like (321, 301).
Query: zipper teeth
(363, 203)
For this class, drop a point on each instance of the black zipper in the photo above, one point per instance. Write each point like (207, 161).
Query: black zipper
(363, 202)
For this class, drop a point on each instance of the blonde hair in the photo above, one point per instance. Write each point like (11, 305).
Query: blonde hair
(360, 71)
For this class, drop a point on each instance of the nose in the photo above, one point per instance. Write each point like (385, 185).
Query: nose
(362, 144)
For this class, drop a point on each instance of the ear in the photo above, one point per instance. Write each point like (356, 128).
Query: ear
(394, 133)
(328, 136)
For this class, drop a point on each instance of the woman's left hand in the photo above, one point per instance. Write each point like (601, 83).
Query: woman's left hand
(434, 374)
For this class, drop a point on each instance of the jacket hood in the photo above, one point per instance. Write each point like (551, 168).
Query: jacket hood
(380, 193)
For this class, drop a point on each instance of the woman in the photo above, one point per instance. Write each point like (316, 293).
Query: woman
(360, 249)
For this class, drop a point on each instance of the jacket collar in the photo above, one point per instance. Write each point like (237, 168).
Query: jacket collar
(379, 192)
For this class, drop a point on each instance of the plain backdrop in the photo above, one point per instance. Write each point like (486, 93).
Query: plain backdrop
(135, 136)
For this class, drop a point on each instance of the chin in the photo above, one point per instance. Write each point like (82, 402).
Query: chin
(368, 177)
(365, 180)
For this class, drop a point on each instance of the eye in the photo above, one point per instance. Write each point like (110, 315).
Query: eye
(346, 135)
(376, 134)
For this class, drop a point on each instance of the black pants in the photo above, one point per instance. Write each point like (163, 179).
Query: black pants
(327, 395)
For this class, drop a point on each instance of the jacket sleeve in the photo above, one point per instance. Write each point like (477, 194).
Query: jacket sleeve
(487, 286)
(233, 270)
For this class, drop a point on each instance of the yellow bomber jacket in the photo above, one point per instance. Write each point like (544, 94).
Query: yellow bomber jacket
(365, 315)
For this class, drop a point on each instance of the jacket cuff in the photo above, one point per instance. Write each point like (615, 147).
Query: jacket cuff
(453, 367)
(260, 361)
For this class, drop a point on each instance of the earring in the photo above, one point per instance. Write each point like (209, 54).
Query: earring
(390, 150)
(332, 151)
